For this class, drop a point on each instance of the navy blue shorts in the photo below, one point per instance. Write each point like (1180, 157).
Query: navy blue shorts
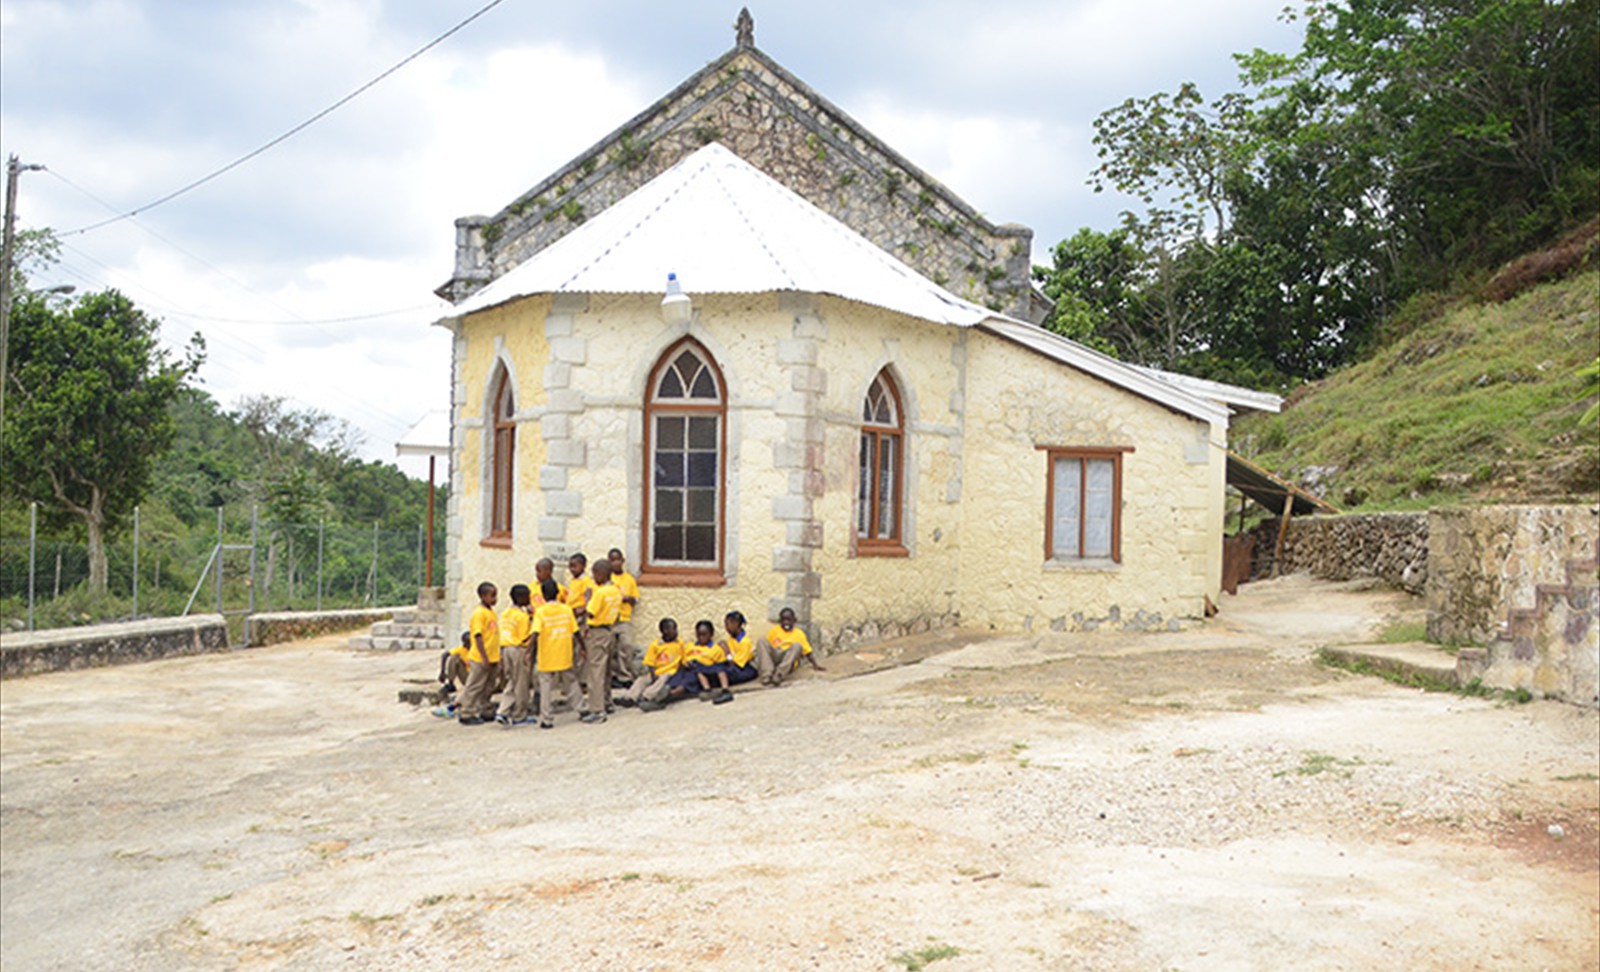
(739, 674)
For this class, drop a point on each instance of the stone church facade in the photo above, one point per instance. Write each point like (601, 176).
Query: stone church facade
(844, 424)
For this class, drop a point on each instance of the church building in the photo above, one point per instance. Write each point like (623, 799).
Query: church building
(781, 366)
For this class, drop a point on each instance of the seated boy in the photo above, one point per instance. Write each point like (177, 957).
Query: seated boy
(516, 655)
(780, 652)
(706, 661)
(661, 662)
(741, 649)
(554, 626)
(452, 676)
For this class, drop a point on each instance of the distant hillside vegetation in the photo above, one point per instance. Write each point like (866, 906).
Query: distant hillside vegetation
(1477, 401)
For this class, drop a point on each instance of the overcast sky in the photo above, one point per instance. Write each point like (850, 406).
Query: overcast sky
(310, 269)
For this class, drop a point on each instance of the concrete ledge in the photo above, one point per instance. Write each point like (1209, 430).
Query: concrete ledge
(271, 629)
(1413, 663)
(63, 649)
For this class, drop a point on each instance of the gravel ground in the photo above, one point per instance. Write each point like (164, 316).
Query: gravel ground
(1207, 799)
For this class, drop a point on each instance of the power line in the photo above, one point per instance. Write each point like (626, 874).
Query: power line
(293, 131)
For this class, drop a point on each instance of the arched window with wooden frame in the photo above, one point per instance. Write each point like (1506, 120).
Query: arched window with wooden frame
(685, 433)
(502, 459)
(880, 496)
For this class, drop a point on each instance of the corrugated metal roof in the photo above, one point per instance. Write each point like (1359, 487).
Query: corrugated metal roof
(1134, 379)
(724, 227)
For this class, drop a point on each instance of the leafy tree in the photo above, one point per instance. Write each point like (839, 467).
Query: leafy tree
(87, 413)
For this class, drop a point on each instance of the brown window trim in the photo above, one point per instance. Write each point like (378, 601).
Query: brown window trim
(660, 575)
(499, 541)
(880, 548)
(684, 577)
(892, 545)
(502, 465)
(1052, 453)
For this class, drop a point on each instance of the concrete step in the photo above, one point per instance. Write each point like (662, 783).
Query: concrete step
(1415, 662)
(396, 629)
(387, 643)
(412, 616)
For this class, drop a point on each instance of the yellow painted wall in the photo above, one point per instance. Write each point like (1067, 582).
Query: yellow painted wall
(1171, 508)
(977, 409)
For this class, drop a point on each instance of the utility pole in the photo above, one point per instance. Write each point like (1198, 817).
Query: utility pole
(13, 167)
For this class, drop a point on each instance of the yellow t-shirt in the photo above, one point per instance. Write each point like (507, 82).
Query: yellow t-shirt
(554, 623)
(781, 639)
(538, 595)
(577, 593)
(515, 626)
(605, 604)
(741, 650)
(484, 623)
(664, 657)
(629, 588)
(705, 654)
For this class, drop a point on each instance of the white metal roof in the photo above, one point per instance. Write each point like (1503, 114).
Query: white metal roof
(430, 436)
(724, 227)
(1243, 399)
(1136, 380)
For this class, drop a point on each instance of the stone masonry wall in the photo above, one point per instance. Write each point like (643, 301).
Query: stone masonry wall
(281, 626)
(63, 649)
(1390, 546)
(1489, 560)
(774, 121)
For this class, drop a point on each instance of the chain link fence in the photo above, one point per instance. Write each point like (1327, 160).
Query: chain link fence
(246, 565)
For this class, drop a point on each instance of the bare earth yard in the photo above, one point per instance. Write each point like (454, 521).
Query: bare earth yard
(1209, 799)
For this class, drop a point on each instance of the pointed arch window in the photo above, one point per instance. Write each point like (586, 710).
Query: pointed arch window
(879, 492)
(503, 446)
(686, 413)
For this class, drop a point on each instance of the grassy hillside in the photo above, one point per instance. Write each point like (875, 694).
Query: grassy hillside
(1479, 402)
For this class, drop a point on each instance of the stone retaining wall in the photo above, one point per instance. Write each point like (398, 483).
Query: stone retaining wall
(270, 629)
(1487, 561)
(63, 649)
(1390, 546)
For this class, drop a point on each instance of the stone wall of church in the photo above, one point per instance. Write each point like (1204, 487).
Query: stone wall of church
(783, 128)
(1020, 404)
(977, 412)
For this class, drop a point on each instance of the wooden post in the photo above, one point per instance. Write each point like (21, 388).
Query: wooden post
(431, 461)
(1283, 532)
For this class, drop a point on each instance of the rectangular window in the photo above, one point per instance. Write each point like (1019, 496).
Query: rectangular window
(685, 483)
(1083, 517)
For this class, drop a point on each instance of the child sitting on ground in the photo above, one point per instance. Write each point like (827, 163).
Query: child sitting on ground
(661, 661)
(452, 676)
(706, 661)
(781, 651)
(741, 649)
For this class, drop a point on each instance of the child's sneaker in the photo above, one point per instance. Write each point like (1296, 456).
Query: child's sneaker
(547, 725)
(722, 695)
(503, 721)
(446, 711)
(592, 718)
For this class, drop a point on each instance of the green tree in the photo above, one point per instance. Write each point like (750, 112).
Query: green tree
(88, 411)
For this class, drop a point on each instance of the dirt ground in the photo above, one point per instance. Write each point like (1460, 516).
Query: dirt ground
(1209, 799)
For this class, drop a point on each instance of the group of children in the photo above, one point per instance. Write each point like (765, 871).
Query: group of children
(575, 641)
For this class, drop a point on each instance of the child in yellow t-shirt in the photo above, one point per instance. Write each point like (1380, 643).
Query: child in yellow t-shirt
(780, 652)
(483, 660)
(452, 676)
(554, 629)
(578, 588)
(516, 655)
(544, 570)
(706, 661)
(625, 656)
(741, 649)
(661, 662)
